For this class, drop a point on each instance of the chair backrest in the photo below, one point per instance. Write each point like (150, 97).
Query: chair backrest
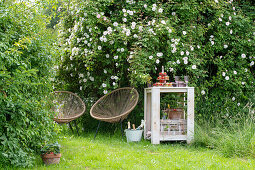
(116, 105)
(67, 106)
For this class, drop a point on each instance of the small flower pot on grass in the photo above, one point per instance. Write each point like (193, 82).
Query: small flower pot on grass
(51, 158)
(50, 153)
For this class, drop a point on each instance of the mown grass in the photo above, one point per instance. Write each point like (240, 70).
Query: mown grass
(110, 152)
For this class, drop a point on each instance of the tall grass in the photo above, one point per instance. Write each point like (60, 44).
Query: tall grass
(233, 136)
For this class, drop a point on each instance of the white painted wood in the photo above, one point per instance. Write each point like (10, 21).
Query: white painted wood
(152, 114)
(181, 90)
(155, 116)
(190, 115)
(173, 137)
(145, 114)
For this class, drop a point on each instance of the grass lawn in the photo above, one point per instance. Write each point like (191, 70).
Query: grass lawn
(110, 152)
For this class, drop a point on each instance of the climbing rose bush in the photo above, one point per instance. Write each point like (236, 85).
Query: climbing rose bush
(109, 44)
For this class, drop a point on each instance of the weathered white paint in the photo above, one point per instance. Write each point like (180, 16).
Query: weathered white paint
(147, 112)
(155, 115)
(172, 137)
(152, 113)
(190, 115)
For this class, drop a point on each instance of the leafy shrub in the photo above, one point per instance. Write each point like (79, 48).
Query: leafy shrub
(108, 44)
(25, 69)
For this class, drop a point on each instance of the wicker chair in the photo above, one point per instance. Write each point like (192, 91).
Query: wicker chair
(115, 106)
(67, 106)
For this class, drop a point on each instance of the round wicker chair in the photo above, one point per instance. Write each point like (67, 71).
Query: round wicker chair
(115, 106)
(67, 106)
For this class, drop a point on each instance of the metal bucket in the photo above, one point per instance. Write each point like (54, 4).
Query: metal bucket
(134, 135)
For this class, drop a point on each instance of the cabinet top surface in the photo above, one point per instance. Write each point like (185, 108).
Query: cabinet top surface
(169, 88)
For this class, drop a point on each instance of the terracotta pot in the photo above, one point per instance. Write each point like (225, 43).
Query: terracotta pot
(175, 113)
(51, 158)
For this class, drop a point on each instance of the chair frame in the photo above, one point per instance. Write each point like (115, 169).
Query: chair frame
(68, 120)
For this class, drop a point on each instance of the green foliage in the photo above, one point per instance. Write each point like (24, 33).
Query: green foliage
(52, 147)
(25, 70)
(108, 44)
(233, 137)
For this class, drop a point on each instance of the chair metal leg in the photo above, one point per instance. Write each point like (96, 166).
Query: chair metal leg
(97, 129)
(121, 129)
(76, 127)
(70, 126)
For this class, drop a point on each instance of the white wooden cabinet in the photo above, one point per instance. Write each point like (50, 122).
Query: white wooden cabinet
(152, 114)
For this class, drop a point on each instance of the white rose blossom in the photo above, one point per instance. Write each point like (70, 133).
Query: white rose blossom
(252, 63)
(163, 22)
(159, 54)
(194, 67)
(115, 24)
(203, 92)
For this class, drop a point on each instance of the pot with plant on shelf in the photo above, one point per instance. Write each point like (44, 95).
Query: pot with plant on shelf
(50, 153)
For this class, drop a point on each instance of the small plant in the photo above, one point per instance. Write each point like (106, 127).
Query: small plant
(51, 148)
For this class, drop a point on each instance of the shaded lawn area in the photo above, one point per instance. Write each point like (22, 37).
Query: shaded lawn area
(110, 152)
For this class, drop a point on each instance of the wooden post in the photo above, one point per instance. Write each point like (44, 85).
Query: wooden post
(155, 115)
(147, 112)
(190, 115)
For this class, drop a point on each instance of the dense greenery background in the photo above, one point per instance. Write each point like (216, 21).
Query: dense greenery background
(106, 44)
(109, 44)
(26, 61)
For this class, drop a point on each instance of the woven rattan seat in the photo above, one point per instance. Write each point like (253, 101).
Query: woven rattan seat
(115, 106)
(67, 106)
